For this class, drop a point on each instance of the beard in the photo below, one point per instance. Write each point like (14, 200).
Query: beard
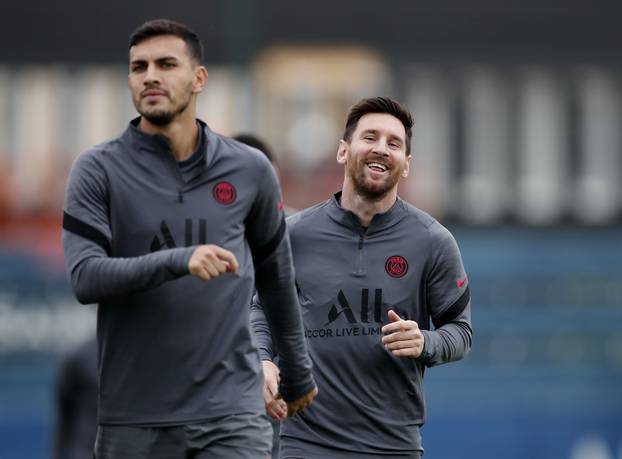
(163, 117)
(373, 191)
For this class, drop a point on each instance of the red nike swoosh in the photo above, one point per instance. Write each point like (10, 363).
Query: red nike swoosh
(462, 282)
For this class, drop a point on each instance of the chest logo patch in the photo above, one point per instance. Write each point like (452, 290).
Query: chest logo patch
(224, 193)
(396, 266)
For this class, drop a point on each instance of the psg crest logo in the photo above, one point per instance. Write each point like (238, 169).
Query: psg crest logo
(396, 266)
(224, 193)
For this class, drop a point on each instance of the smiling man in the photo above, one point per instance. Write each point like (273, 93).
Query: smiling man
(165, 228)
(371, 272)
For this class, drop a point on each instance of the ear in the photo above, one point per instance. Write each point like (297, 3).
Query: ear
(406, 170)
(342, 151)
(200, 79)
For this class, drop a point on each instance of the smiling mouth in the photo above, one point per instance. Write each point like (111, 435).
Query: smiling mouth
(377, 167)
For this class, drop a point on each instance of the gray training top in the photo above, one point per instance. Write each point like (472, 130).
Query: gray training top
(370, 403)
(173, 348)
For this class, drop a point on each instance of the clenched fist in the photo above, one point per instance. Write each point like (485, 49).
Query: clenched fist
(209, 261)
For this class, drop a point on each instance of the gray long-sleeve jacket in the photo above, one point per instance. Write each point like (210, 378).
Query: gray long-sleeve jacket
(173, 348)
(370, 404)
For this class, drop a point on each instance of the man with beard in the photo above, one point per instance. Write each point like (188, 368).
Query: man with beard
(371, 271)
(166, 227)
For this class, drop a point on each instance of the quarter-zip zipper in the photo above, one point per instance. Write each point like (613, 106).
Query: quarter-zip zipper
(359, 269)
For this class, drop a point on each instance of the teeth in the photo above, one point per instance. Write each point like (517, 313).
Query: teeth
(378, 165)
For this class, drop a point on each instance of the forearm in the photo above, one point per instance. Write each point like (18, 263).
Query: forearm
(261, 331)
(96, 277)
(449, 342)
(277, 294)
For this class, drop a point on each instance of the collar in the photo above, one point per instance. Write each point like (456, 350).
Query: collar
(198, 153)
(349, 219)
(141, 141)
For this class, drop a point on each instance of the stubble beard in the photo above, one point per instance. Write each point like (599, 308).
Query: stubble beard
(162, 117)
(372, 191)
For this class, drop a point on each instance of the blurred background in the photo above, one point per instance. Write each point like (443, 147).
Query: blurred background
(517, 149)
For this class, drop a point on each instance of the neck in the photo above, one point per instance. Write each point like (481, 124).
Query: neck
(182, 134)
(363, 207)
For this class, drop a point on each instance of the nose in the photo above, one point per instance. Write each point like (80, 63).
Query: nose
(381, 147)
(151, 75)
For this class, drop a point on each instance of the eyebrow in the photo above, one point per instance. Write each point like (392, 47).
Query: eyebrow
(159, 59)
(390, 135)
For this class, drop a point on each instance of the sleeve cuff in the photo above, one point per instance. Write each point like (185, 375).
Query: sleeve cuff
(428, 346)
(265, 354)
(292, 393)
(180, 259)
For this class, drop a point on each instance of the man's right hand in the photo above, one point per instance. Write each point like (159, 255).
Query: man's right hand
(209, 261)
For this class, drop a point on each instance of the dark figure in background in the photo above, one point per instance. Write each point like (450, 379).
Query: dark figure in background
(76, 403)
(253, 141)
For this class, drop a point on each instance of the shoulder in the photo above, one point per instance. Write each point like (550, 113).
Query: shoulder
(421, 221)
(306, 216)
(92, 167)
(98, 155)
(234, 150)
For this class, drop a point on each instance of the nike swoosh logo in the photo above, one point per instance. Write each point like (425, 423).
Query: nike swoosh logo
(462, 282)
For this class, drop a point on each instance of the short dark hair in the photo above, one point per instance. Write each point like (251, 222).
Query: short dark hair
(379, 105)
(253, 141)
(159, 27)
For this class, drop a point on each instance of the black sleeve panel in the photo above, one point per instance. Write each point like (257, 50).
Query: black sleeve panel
(87, 231)
(454, 310)
(261, 252)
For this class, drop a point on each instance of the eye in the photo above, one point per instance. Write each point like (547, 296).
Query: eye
(168, 65)
(138, 68)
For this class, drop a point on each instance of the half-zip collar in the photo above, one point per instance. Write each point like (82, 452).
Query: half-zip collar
(349, 219)
(156, 143)
(140, 143)
(194, 166)
(144, 142)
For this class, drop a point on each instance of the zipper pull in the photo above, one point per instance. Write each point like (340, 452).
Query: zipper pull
(180, 196)
(360, 242)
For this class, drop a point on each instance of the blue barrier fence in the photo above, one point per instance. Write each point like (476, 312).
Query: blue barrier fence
(544, 378)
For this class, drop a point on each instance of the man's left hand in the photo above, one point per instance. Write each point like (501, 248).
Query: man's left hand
(402, 337)
(298, 405)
